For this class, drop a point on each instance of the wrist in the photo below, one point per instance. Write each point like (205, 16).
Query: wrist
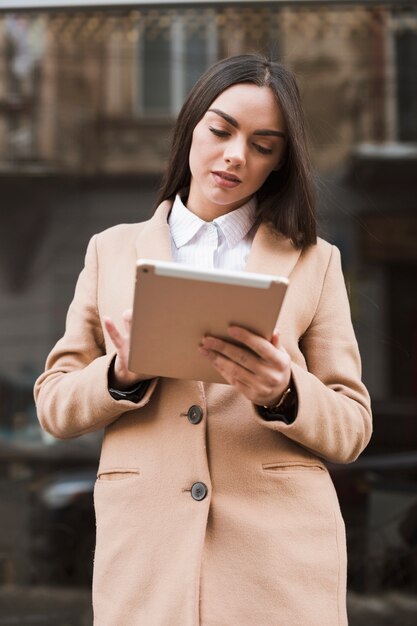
(274, 405)
(122, 382)
(276, 401)
(284, 410)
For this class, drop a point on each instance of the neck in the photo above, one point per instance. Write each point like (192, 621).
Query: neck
(209, 212)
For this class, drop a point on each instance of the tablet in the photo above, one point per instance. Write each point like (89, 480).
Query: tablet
(176, 305)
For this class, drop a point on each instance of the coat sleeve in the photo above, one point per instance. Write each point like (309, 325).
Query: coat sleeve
(334, 416)
(72, 396)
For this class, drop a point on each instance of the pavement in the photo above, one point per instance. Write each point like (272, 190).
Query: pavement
(53, 606)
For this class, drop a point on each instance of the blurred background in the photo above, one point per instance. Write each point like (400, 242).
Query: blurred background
(88, 97)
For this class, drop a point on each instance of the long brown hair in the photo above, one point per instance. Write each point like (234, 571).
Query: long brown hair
(286, 199)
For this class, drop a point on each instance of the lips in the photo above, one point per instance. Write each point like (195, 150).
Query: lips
(226, 180)
(228, 176)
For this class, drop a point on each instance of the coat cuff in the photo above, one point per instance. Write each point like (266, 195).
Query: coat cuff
(286, 413)
(282, 419)
(131, 398)
(134, 393)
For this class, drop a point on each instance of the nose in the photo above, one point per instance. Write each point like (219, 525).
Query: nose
(235, 153)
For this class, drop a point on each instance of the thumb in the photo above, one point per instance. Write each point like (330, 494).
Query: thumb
(275, 338)
(276, 341)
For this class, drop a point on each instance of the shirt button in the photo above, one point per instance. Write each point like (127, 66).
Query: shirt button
(199, 491)
(195, 414)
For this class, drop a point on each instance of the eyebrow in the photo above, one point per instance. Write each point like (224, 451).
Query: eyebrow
(261, 131)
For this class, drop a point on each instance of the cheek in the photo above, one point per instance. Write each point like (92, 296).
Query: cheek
(196, 156)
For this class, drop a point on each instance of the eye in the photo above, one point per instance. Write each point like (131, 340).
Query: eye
(261, 149)
(219, 133)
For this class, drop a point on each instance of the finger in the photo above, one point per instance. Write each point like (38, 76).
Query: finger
(243, 387)
(258, 388)
(245, 382)
(277, 342)
(245, 390)
(230, 370)
(113, 332)
(109, 324)
(128, 314)
(236, 354)
(249, 393)
(263, 381)
(127, 319)
(261, 346)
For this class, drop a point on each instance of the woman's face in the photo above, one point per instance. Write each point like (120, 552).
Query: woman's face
(235, 146)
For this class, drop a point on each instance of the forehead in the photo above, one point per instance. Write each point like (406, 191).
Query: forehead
(252, 105)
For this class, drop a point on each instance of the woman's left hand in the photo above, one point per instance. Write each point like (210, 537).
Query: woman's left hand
(260, 370)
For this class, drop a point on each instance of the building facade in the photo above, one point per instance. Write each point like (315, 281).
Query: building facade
(87, 104)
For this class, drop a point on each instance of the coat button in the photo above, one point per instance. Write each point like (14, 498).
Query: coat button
(195, 414)
(199, 491)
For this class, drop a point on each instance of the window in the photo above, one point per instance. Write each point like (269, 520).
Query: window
(169, 62)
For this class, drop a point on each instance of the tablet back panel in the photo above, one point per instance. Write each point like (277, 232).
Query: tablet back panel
(172, 314)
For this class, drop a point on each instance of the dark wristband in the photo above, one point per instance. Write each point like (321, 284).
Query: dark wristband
(134, 393)
(286, 412)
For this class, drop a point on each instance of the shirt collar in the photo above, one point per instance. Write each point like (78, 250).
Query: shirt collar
(183, 223)
(234, 225)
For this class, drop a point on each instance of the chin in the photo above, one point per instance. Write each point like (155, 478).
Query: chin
(224, 197)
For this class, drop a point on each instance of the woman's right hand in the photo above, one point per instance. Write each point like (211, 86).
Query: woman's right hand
(122, 376)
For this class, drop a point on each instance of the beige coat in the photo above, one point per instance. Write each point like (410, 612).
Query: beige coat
(267, 544)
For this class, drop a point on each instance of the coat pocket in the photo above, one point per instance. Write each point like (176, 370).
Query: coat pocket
(293, 466)
(117, 474)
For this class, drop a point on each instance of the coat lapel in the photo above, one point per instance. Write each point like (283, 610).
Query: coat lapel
(154, 239)
(271, 253)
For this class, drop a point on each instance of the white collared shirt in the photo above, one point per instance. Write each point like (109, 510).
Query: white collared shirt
(223, 243)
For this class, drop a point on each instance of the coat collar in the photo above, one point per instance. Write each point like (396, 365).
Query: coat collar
(271, 253)
(154, 239)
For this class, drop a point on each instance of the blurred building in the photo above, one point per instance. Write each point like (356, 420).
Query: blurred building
(91, 96)
(87, 104)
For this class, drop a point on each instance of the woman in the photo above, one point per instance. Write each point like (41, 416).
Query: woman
(213, 502)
